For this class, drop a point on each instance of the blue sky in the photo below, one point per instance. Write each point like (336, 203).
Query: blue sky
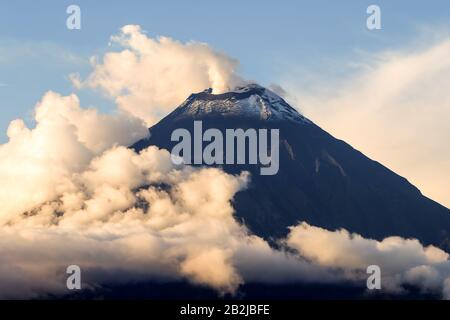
(37, 51)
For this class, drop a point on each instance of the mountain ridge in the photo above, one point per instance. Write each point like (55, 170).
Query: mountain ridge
(251, 100)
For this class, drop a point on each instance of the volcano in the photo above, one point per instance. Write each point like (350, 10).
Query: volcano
(321, 180)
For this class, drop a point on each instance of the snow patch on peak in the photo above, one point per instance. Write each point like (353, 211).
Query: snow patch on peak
(251, 100)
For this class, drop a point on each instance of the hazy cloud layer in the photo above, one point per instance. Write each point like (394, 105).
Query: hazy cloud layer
(394, 108)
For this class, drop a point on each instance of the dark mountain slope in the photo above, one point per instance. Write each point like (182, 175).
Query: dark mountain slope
(321, 180)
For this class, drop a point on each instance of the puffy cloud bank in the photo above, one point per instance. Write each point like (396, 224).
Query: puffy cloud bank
(36, 164)
(402, 261)
(72, 193)
(116, 231)
(150, 77)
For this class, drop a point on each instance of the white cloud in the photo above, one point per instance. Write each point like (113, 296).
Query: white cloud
(37, 164)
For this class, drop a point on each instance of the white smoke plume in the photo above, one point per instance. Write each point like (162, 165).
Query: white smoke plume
(150, 77)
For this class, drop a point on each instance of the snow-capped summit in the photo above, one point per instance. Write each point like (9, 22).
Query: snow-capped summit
(251, 101)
